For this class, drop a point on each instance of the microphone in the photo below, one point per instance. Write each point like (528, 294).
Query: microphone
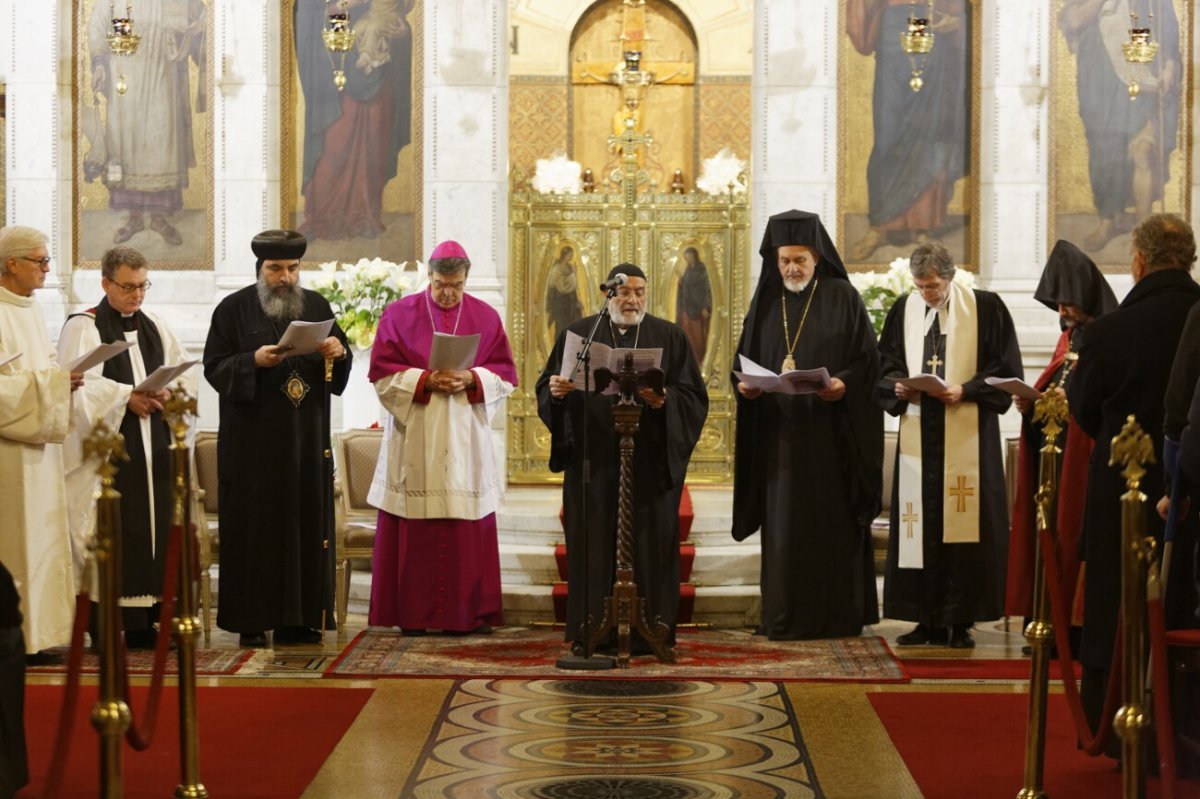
(619, 279)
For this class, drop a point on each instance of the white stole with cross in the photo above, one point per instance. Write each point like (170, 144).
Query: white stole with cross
(960, 478)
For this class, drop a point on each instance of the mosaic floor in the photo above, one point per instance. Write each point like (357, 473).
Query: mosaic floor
(586, 739)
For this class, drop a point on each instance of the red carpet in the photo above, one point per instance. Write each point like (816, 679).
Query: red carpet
(972, 669)
(973, 744)
(243, 732)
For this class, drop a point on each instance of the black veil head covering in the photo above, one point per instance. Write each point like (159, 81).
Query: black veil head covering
(627, 269)
(278, 245)
(798, 227)
(1070, 277)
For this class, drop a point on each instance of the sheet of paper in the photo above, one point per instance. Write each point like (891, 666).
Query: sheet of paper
(453, 352)
(1014, 385)
(600, 354)
(793, 381)
(163, 376)
(303, 338)
(6, 358)
(97, 356)
(924, 382)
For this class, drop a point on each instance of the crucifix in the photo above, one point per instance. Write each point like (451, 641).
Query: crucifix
(934, 362)
(960, 492)
(909, 518)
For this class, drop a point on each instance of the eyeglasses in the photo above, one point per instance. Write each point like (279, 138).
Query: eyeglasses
(39, 261)
(142, 287)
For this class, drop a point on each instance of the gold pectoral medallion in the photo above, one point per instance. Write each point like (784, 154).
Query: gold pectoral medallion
(788, 364)
(295, 389)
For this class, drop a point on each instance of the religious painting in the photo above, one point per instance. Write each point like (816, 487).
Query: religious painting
(143, 133)
(691, 301)
(907, 149)
(566, 288)
(351, 129)
(3, 153)
(1118, 144)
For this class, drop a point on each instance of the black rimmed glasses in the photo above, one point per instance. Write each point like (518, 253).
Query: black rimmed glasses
(39, 261)
(135, 288)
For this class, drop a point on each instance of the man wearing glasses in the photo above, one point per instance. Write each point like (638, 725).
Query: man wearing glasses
(949, 522)
(35, 409)
(108, 396)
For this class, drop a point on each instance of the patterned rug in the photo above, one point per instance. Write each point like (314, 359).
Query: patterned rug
(602, 739)
(704, 655)
(141, 661)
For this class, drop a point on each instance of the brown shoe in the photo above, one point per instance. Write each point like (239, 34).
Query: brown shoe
(160, 225)
(133, 225)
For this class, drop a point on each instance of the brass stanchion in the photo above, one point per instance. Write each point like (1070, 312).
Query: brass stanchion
(1051, 412)
(110, 714)
(176, 409)
(1132, 449)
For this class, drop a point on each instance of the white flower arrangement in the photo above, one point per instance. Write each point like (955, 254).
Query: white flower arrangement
(721, 171)
(359, 293)
(557, 175)
(880, 290)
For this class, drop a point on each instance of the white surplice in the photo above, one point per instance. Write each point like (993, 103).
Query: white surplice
(436, 460)
(35, 414)
(104, 400)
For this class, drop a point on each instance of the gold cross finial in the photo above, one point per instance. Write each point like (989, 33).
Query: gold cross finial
(176, 409)
(1132, 449)
(108, 446)
(1051, 411)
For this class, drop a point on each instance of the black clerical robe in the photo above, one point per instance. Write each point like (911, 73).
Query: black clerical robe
(275, 482)
(14, 761)
(807, 471)
(1125, 364)
(961, 582)
(142, 559)
(662, 447)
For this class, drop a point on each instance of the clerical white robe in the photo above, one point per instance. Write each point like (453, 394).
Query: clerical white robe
(101, 399)
(436, 460)
(35, 414)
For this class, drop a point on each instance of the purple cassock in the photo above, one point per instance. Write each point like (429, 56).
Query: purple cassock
(437, 573)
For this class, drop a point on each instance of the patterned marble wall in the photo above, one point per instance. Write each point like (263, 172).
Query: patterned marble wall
(538, 121)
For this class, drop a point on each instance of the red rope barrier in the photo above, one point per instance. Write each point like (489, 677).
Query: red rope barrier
(1164, 730)
(140, 736)
(66, 715)
(1092, 745)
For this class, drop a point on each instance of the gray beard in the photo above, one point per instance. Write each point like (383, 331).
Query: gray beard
(282, 307)
(796, 286)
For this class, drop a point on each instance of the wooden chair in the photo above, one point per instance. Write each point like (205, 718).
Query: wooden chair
(205, 477)
(355, 454)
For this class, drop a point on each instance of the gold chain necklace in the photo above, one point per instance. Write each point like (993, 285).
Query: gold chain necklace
(789, 363)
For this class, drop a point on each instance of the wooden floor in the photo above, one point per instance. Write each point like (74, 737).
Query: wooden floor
(560, 738)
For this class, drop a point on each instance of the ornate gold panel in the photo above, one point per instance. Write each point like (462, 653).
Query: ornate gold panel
(587, 229)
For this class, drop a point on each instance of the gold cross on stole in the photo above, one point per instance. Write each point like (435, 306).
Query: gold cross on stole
(909, 518)
(961, 492)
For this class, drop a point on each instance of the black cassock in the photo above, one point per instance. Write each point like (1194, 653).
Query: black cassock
(807, 470)
(662, 447)
(275, 485)
(1125, 366)
(961, 583)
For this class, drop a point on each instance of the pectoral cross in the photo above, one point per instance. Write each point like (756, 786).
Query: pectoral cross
(909, 518)
(960, 492)
(934, 363)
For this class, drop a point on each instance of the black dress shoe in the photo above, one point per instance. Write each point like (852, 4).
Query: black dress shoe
(923, 635)
(483, 629)
(252, 640)
(298, 635)
(961, 638)
(412, 632)
(45, 658)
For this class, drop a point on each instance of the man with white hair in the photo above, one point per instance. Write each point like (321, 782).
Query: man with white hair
(669, 428)
(35, 413)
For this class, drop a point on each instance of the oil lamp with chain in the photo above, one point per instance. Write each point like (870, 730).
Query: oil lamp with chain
(123, 40)
(917, 41)
(1139, 51)
(339, 38)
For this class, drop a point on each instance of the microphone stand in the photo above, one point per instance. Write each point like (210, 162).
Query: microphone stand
(586, 661)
